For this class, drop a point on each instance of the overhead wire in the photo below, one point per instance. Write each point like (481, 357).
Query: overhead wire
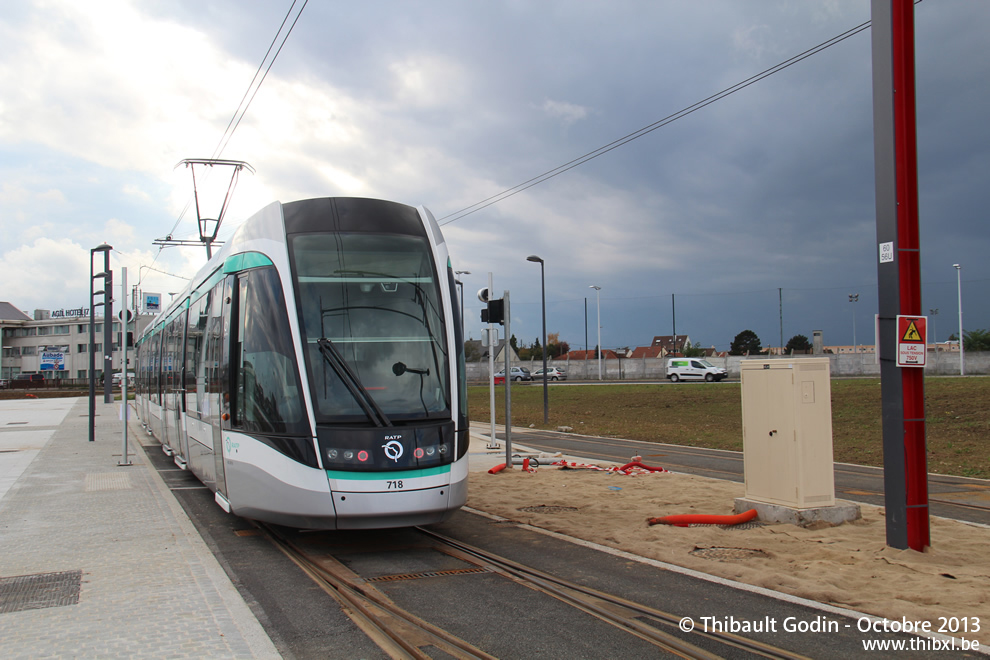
(660, 123)
(249, 94)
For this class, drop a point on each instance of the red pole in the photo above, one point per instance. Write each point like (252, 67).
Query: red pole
(909, 263)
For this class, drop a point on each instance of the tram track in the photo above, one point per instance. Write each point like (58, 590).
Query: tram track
(403, 634)
(396, 631)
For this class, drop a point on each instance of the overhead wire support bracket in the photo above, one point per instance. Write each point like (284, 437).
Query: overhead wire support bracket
(208, 227)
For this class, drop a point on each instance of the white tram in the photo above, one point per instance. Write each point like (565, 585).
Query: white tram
(312, 373)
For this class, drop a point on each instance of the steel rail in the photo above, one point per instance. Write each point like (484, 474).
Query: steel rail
(386, 624)
(579, 595)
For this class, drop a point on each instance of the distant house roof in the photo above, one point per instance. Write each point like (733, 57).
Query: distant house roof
(648, 352)
(10, 313)
(671, 343)
(607, 354)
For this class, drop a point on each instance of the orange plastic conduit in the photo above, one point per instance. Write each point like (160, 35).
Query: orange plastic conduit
(637, 464)
(497, 468)
(683, 520)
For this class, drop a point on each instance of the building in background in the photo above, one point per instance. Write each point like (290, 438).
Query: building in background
(55, 343)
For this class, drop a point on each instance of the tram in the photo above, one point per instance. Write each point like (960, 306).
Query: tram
(312, 373)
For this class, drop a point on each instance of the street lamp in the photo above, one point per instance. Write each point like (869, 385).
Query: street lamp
(546, 379)
(962, 364)
(460, 286)
(933, 313)
(598, 299)
(107, 304)
(854, 298)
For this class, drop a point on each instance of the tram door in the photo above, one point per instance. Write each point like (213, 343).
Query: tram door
(166, 386)
(172, 389)
(217, 328)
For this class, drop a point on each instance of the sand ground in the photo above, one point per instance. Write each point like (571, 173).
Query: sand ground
(847, 566)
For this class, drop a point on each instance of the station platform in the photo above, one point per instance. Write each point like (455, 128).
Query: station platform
(98, 559)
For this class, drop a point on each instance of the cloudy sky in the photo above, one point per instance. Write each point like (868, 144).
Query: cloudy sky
(760, 202)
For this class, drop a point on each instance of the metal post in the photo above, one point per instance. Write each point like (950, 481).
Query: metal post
(107, 295)
(546, 379)
(673, 320)
(598, 290)
(124, 314)
(92, 353)
(780, 300)
(107, 330)
(586, 334)
(508, 386)
(898, 272)
(854, 298)
(962, 352)
(492, 441)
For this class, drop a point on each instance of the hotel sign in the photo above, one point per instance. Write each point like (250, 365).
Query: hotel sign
(69, 313)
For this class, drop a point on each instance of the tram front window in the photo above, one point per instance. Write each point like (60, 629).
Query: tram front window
(373, 326)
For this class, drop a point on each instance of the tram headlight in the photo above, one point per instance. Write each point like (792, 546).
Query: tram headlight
(431, 450)
(348, 455)
(443, 449)
(332, 454)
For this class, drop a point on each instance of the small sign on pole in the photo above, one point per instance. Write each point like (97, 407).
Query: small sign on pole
(912, 340)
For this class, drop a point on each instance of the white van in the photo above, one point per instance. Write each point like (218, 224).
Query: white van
(693, 369)
(118, 377)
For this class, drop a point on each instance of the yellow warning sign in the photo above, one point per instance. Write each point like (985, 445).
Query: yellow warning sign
(911, 348)
(912, 334)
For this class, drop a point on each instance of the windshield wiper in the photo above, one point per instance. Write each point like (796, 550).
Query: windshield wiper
(352, 383)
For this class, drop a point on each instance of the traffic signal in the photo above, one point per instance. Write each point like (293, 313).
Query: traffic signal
(495, 313)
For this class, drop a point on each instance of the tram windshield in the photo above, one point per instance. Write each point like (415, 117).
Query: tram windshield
(372, 321)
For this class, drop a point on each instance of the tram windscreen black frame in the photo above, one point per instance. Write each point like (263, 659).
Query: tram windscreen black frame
(375, 298)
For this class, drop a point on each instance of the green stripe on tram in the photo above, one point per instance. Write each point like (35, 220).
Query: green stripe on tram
(379, 476)
(240, 262)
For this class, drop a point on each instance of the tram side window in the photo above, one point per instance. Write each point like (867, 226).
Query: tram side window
(173, 360)
(209, 405)
(267, 391)
(155, 360)
(195, 381)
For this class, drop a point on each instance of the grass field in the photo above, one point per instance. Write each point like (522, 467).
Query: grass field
(706, 415)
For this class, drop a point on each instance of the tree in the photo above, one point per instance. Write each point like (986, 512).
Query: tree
(692, 350)
(536, 350)
(798, 344)
(745, 343)
(555, 347)
(976, 340)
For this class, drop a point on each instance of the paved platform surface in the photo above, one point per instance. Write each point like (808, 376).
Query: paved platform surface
(98, 560)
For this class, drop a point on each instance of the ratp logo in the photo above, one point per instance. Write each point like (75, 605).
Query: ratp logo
(393, 450)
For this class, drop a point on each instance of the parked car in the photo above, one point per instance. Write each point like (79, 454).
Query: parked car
(693, 369)
(516, 373)
(553, 373)
(4, 383)
(116, 379)
(26, 381)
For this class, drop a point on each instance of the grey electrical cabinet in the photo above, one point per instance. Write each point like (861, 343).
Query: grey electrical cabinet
(787, 431)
